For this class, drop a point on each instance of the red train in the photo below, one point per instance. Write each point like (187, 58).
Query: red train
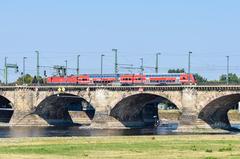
(125, 79)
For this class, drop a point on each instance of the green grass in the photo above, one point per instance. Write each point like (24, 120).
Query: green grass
(185, 147)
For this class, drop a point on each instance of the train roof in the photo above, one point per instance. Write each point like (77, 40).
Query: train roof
(103, 75)
(118, 75)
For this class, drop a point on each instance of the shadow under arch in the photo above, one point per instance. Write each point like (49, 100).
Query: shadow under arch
(215, 112)
(6, 110)
(55, 109)
(139, 110)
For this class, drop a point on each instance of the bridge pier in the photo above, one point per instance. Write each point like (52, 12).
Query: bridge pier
(213, 101)
(189, 112)
(23, 104)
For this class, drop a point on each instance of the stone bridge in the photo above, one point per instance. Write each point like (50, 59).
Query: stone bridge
(109, 106)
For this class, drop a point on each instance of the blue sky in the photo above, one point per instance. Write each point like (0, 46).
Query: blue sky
(62, 29)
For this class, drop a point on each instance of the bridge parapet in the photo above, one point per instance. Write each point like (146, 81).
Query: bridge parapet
(190, 99)
(127, 88)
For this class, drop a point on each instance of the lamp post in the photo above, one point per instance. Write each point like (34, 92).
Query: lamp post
(189, 65)
(227, 77)
(24, 58)
(102, 55)
(156, 68)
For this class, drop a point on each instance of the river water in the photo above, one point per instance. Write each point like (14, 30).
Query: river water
(13, 132)
(10, 132)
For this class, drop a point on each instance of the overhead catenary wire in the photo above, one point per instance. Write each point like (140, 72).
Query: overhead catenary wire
(200, 65)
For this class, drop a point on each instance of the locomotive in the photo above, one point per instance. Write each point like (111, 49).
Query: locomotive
(125, 79)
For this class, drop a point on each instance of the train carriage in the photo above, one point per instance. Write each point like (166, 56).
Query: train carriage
(103, 79)
(162, 79)
(126, 79)
(84, 80)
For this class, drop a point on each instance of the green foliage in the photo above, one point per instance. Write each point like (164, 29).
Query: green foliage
(225, 149)
(209, 150)
(147, 147)
(232, 77)
(27, 79)
(37, 80)
(200, 79)
(176, 70)
(194, 148)
(210, 158)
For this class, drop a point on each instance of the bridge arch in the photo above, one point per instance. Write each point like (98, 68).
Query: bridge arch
(65, 109)
(139, 110)
(6, 109)
(215, 112)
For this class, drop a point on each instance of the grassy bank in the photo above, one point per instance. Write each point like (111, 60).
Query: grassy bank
(205, 147)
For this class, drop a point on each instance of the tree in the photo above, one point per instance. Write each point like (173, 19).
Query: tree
(34, 81)
(232, 78)
(200, 79)
(38, 80)
(27, 79)
(176, 70)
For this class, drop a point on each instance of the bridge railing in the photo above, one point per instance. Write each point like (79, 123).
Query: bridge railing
(63, 88)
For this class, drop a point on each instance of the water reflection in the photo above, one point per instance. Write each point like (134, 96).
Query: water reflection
(13, 132)
(9, 132)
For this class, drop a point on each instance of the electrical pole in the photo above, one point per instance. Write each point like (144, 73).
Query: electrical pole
(5, 70)
(141, 67)
(78, 56)
(24, 58)
(102, 55)
(189, 65)
(6, 66)
(116, 61)
(156, 68)
(66, 67)
(38, 67)
(37, 52)
(227, 77)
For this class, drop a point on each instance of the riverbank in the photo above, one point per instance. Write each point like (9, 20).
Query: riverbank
(184, 146)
